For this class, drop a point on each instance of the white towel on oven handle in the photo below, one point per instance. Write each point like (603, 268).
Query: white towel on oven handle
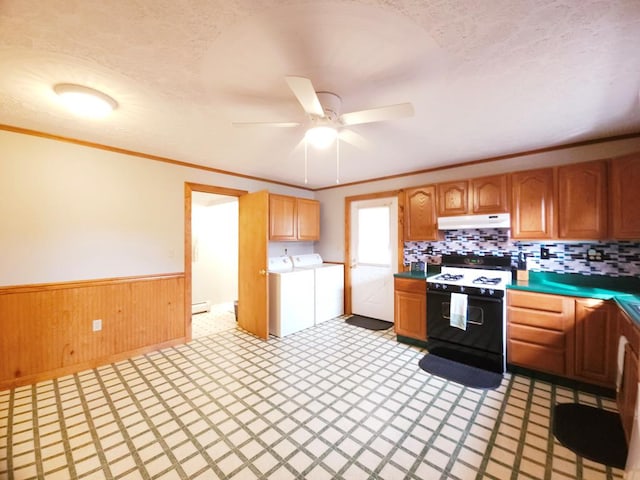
(458, 311)
(622, 341)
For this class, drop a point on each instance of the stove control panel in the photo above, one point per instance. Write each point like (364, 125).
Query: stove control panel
(477, 291)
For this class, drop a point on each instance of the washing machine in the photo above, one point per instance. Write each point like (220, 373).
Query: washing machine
(291, 297)
(328, 285)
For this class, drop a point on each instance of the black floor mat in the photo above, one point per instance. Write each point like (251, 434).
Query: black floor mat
(369, 323)
(466, 375)
(591, 432)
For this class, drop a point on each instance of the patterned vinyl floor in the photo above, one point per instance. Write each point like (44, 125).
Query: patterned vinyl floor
(220, 318)
(332, 401)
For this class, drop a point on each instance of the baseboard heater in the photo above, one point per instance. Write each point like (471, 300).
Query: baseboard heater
(200, 307)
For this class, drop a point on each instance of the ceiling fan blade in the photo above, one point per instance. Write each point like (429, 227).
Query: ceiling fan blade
(303, 89)
(266, 124)
(379, 114)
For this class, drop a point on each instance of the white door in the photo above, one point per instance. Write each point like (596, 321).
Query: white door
(374, 240)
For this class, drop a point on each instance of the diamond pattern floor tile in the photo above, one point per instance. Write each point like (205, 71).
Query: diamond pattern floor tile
(331, 401)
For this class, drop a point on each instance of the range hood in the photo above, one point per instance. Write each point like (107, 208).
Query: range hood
(498, 220)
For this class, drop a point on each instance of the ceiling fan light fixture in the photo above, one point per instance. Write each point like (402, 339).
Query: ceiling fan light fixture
(321, 136)
(85, 101)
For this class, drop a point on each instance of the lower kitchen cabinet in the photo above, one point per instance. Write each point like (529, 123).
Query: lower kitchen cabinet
(410, 308)
(596, 336)
(540, 332)
(569, 337)
(628, 392)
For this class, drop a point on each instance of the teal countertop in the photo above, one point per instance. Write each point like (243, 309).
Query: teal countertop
(431, 270)
(625, 291)
(413, 275)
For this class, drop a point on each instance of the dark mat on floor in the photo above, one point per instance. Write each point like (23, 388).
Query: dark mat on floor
(369, 323)
(591, 432)
(466, 375)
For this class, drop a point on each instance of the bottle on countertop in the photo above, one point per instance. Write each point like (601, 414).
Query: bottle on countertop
(522, 273)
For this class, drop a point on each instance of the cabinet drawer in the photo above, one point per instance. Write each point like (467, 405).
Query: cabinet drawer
(538, 336)
(536, 301)
(534, 318)
(410, 285)
(536, 357)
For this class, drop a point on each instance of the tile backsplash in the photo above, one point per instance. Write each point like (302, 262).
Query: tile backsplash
(618, 258)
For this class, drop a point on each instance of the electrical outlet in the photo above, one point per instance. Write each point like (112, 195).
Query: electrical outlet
(97, 325)
(594, 255)
(544, 253)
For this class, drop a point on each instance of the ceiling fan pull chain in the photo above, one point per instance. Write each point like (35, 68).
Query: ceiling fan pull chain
(306, 180)
(338, 159)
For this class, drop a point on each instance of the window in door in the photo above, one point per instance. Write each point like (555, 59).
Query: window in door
(373, 236)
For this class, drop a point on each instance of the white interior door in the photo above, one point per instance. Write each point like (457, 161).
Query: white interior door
(374, 239)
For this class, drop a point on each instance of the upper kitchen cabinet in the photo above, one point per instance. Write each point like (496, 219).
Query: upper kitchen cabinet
(532, 195)
(453, 198)
(420, 222)
(476, 196)
(623, 189)
(308, 219)
(490, 194)
(582, 200)
(293, 219)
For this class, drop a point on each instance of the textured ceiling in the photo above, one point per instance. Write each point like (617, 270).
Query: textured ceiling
(485, 77)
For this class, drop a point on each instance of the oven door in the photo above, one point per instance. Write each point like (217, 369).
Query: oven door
(485, 324)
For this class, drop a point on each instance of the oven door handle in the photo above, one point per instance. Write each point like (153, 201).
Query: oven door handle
(471, 297)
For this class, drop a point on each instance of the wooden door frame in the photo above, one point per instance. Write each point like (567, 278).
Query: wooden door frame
(189, 188)
(399, 194)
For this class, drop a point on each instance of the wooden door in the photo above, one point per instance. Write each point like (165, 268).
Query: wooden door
(582, 201)
(595, 342)
(282, 217)
(420, 222)
(252, 264)
(308, 213)
(453, 198)
(490, 194)
(532, 204)
(624, 186)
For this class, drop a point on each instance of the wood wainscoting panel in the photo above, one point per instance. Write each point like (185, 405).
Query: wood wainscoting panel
(46, 330)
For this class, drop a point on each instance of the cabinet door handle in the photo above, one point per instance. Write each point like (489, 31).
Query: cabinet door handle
(262, 272)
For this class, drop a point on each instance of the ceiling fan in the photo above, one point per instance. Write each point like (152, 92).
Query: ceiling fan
(325, 119)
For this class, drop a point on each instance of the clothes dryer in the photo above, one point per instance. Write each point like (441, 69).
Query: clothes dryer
(328, 285)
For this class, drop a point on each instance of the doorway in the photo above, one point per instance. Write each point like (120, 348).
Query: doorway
(374, 256)
(204, 266)
(373, 246)
(214, 257)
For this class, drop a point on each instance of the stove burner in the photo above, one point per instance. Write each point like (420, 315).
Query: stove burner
(487, 281)
(449, 277)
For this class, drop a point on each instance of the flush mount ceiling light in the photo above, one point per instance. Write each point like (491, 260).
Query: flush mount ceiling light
(85, 101)
(321, 136)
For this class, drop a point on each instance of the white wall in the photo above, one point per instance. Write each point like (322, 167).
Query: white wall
(70, 212)
(332, 201)
(215, 252)
(277, 249)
